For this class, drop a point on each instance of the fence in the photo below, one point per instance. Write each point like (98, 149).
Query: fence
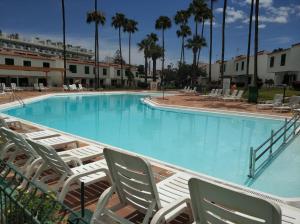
(31, 204)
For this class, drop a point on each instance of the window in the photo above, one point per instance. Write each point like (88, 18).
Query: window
(9, 61)
(243, 65)
(27, 63)
(104, 71)
(73, 68)
(46, 64)
(283, 58)
(272, 59)
(237, 66)
(118, 73)
(87, 70)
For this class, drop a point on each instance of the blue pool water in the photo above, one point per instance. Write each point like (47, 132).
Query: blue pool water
(210, 143)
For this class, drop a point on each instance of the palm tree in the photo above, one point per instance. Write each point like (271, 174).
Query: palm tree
(155, 52)
(163, 23)
(98, 18)
(64, 40)
(144, 46)
(205, 16)
(223, 40)
(195, 43)
(249, 38)
(255, 77)
(181, 18)
(183, 32)
(211, 37)
(196, 8)
(118, 22)
(130, 27)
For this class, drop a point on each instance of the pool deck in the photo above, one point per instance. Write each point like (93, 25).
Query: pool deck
(161, 170)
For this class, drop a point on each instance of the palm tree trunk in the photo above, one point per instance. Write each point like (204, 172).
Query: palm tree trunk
(183, 50)
(163, 59)
(210, 39)
(129, 50)
(199, 51)
(255, 77)
(154, 69)
(120, 46)
(96, 51)
(97, 64)
(64, 40)
(146, 69)
(249, 39)
(223, 40)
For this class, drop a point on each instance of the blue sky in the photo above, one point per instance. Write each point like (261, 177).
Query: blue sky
(279, 26)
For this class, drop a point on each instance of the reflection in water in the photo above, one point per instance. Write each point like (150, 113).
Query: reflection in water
(214, 144)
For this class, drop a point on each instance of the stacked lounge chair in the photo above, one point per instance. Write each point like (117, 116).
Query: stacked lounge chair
(235, 96)
(277, 101)
(293, 103)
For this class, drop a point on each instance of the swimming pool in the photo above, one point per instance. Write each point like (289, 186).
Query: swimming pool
(211, 143)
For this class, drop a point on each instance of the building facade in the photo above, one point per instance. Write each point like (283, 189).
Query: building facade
(281, 66)
(26, 62)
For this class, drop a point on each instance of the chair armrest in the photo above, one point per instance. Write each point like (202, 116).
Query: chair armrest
(159, 217)
(70, 158)
(75, 177)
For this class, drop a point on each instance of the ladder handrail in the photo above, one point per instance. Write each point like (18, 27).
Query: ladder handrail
(270, 142)
(18, 98)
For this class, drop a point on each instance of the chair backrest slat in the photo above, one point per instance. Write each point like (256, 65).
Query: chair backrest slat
(19, 142)
(50, 156)
(212, 203)
(133, 179)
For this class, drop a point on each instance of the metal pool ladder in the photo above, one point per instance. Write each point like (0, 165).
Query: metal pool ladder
(282, 136)
(18, 98)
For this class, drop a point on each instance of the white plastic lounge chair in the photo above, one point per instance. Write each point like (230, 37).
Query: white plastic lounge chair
(58, 142)
(184, 89)
(88, 174)
(41, 134)
(133, 182)
(66, 88)
(226, 93)
(80, 88)
(294, 103)
(42, 87)
(212, 93)
(187, 89)
(232, 96)
(83, 153)
(10, 122)
(216, 203)
(72, 87)
(14, 87)
(36, 87)
(4, 88)
(277, 101)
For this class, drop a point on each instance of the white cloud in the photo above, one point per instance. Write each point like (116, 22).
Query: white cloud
(233, 15)
(262, 26)
(263, 3)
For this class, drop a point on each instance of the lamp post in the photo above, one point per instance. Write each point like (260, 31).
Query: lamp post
(284, 93)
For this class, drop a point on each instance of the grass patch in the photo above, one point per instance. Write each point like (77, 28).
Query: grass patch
(268, 93)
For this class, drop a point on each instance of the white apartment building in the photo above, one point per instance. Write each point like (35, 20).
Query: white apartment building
(236, 68)
(26, 62)
(285, 64)
(281, 65)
